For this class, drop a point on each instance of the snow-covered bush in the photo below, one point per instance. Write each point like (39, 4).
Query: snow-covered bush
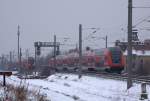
(20, 92)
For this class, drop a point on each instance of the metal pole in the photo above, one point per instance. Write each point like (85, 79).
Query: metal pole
(129, 57)
(27, 53)
(20, 59)
(80, 51)
(2, 61)
(18, 33)
(4, 80)
(35, 57)
(54, 51)
(13, 56)
(57, 52)
(106, 41)
(10, 58)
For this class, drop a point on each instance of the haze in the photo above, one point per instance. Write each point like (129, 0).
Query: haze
(41, 19)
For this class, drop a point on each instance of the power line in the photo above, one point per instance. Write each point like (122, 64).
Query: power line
(141, 7)
(141, 22)
(148, 29)
(90, 34)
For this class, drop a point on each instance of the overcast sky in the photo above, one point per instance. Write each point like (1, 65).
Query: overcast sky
(41, 19)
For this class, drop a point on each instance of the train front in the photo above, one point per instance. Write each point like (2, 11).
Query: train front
(116, 59)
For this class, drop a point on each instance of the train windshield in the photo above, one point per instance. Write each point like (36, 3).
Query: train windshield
(99, 52)
(115, 54)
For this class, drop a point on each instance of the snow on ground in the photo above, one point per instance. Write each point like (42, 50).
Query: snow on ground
(67, 87)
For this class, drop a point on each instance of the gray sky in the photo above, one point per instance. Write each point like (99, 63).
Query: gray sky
(41, 19)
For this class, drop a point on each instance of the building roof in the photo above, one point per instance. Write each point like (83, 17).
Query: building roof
(139, 52)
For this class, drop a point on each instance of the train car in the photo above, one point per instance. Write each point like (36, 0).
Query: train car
(110, 59)
(28, 63)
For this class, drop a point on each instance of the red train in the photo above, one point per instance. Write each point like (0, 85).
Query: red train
(109, 59)
(28, 64)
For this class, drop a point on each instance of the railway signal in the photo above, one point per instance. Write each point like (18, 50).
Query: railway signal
(38, 46)
(38, 52)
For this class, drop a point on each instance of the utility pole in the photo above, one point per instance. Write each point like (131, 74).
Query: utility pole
(129, 57)
(18, 33)
(35, 57)
(106, 40)
(10, 58)
(13, 56)
(54, 52)
(80, 51)
(2, 61)
(20, 63)
(27, 53)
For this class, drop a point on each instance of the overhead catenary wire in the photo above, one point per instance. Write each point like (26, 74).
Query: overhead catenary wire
(145, 19)
(140, 7)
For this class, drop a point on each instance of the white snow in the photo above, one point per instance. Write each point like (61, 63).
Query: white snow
(67, 87)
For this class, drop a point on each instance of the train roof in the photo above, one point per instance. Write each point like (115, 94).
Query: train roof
(73, 54)
(116, 47)
(107, 49)
(88, 53)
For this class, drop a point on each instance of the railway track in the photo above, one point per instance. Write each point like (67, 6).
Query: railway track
(102, 74)
(115, 76)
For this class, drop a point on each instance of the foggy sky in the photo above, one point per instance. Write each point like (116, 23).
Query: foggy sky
(41, 19)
